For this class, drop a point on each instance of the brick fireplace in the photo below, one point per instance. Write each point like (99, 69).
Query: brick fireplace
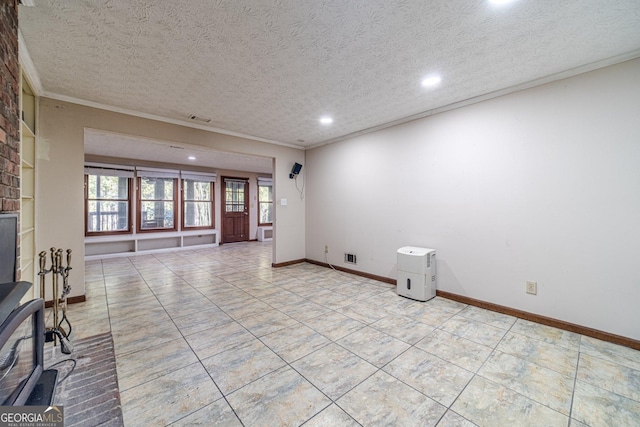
(9, 109)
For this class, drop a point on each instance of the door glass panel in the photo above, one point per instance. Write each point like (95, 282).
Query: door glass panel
(234, 196)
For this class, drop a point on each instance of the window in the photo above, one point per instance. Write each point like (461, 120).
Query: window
(107, 201)
(265, 201)
(161, 200)
(156, 203)
(197, 208)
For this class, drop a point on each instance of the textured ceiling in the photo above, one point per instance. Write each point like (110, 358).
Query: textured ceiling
(271, 68)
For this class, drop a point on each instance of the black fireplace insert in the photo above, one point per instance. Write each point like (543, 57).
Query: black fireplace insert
(23, 379)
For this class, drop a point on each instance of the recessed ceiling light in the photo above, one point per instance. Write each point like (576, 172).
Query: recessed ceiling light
(191, 157)
(500, 2)
(431, 81)
(326, 120)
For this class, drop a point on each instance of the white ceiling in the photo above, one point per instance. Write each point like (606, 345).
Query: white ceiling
(109, 144)
(271, 68)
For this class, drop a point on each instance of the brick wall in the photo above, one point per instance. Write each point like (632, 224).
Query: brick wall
(9, 108)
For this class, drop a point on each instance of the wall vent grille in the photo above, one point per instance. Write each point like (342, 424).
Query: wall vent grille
(350, 258)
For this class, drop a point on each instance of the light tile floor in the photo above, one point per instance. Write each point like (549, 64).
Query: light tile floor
(218, 337)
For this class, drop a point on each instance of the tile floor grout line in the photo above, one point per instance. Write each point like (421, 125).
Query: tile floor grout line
(106, 297)
(332, 403)
(575, 382)
(200, 361)
(290, 364)
(409, 385)
(495, 349)
(476, 373)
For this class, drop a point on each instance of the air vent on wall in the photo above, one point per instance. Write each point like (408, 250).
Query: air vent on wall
(350, 258)
(199, 119)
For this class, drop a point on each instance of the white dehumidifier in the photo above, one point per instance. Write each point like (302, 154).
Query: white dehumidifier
(416, 273)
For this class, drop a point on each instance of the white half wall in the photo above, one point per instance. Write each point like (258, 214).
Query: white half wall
(540, 185)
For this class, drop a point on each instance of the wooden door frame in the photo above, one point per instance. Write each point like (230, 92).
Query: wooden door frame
(223, 204)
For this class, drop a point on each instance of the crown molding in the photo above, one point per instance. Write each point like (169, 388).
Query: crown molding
(28, 68)
(185, 123)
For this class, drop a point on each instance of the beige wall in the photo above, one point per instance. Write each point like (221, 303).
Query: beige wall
(60, 179)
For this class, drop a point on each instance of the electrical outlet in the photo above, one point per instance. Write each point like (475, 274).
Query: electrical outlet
(532, 287)
(326, 249)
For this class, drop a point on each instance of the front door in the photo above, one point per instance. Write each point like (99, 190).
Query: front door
(235, 210)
